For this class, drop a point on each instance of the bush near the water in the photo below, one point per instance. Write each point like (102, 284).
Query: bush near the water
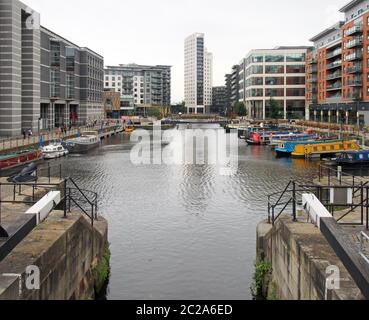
(262, 277)
(102, 271)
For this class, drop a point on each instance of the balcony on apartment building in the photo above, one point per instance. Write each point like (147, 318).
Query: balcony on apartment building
(357, 82)
(356, 68)
(334, 86)
(313, 98)
(312, 89)
(334, 53)
(357, 41)
(335, 64)
(334, 75)
(353, 30)
(357, 55)
(313, 60)
(355, 95)
(335, 98)
(313, 69)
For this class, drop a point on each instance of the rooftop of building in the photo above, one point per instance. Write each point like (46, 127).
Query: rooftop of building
(350, 5)
(337, 26)
(286, 49)
(138, 66)
(68, 42)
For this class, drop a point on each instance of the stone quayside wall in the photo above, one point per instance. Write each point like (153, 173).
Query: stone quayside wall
(300, 255)
(71, 255)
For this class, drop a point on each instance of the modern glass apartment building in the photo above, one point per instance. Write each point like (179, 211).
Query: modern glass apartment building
(277, 74)
(71, 82)
(45, 80)
(140, 86)
(198, 74)
(219, 103)
(338, 69)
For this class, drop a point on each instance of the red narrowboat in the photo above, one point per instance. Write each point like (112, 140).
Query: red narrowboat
(12, 160)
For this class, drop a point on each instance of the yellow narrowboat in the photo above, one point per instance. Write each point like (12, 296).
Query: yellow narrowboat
(312, 150)
(129, 129)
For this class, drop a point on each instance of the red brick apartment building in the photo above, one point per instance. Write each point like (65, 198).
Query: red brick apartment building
(337, 69)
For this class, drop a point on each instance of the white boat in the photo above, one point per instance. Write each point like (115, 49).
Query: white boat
(54, 150)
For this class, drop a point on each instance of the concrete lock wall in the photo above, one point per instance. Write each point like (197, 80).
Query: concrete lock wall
(67, 252)
(300, 255)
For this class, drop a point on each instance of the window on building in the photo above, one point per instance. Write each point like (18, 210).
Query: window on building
(295, 80)
(296, 57)
(295, 69)
(274, 58)
(274, 81)
(257, 58)
(295, 92)
(274, 69)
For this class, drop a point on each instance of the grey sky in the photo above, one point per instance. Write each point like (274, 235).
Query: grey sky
(153, 32)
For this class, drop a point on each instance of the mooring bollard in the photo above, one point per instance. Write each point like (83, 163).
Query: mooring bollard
(339, 174)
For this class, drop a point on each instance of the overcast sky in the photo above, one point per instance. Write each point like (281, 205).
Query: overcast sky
(153, 32)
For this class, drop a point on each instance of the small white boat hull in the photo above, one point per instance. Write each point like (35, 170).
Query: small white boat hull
(55, 155)
(54, 151)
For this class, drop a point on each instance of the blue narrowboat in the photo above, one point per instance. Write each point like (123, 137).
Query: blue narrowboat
(352, 158)
(285, 149)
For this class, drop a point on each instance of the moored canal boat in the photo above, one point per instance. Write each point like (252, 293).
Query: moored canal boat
(16, 159)
(352, 158)
(323, 149)
(56, 149)
(286, 148)
(88, 141)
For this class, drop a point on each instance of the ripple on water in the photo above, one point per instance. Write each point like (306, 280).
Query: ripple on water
(181, 232)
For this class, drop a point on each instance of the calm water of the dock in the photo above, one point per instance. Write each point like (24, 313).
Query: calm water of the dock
(182, 232)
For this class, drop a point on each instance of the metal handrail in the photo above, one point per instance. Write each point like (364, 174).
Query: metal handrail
(363, 236)
(298, 189)
(67, 196)
(81, 191)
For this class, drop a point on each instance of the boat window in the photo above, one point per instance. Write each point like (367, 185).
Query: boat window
(361, 156)
(350, 157)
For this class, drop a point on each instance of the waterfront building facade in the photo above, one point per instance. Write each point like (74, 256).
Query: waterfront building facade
(71, 83)
(198, 74)
(46, 81)
(140, 86)
(219, 100)
(338, 69)
(111, 101)
(237, 81)
(274, 74)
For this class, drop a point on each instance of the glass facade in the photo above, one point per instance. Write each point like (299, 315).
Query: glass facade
(296, 57)
(274, 92)
(54, 54)
(70, 92)
(274, 58)
(295, 69)
(54, 83)
(274, 81)
(295, 109)
(274, 69)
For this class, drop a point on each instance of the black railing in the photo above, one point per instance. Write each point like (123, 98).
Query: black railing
(72, 196)
(49, 171)
(334, 175)
(289, 199)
